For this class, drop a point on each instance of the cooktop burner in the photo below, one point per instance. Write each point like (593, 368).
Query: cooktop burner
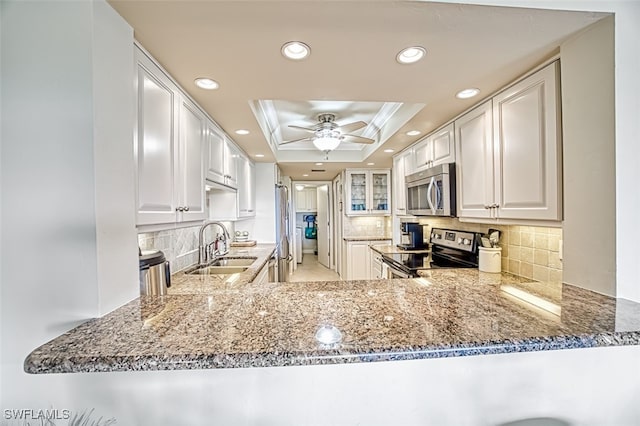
(415, 261)
(449, 249)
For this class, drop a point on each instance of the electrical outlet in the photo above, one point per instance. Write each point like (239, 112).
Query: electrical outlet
(560, 250)
(378, 224)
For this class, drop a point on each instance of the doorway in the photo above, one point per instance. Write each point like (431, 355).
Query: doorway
(312, 213)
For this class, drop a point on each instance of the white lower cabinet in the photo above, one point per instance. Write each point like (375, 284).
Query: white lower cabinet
(361, 262)
(169, 143)
(509, 153)
(375, 265)
(358, 260)
(263, 275)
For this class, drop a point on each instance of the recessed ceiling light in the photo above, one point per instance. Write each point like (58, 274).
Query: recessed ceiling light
(242, 132)
(319, 164)
(467, 93)
(388, 150)
(413, 132)
(206, 83)
(371, 164)
(411, 55)
(259, 155)
(295, 50)
(305, 175)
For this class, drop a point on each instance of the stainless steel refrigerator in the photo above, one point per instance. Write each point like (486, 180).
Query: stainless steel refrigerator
(282, 233)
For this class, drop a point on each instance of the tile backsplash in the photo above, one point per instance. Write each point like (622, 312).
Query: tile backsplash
(528, 251)
(366, 226)
(179, 245)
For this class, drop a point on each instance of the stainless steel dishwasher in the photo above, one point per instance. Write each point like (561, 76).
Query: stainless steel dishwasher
(273, 267)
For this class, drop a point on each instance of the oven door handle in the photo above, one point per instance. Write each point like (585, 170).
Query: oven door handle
(429, 198)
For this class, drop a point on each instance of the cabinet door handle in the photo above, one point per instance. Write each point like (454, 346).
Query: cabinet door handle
(179, 209)
(186, 209)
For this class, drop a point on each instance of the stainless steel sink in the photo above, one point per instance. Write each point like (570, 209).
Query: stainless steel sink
(218, 270)
(224, 266)
(234, 261)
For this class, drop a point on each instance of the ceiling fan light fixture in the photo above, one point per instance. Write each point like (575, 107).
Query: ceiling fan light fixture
(325, 143)
(295, 50)
(206, 83)
(467, 93)
(411, 55)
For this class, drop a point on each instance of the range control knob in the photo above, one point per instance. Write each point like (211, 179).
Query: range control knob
(460, 241)
(466, 241)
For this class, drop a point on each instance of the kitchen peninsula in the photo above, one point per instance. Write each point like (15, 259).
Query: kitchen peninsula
(445, 313)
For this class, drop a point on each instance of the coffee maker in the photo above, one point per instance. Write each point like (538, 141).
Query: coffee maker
(412, 237)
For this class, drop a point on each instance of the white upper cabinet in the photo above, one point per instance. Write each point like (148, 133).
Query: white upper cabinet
(508, 153)
(231, 156)
(402, 166)
(307, 200)
(437, 148)
(527, 132)
(222, 158)
(191, 203)
(155, 143)
(368, 192)
(215, 154)
(169, 148)
(474, 165)
(246, 187)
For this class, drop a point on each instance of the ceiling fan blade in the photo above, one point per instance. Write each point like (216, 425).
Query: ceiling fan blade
(295, 140)
(306, 129)
(357, 139)
(352, 127)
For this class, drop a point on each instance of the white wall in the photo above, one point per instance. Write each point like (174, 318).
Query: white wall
(588, 119)
(67, 232)
(113, 116)
(583, 387)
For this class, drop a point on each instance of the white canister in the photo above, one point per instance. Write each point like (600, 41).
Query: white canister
(490, 259)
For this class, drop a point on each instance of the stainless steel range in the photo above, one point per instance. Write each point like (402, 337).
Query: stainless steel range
(449, 249)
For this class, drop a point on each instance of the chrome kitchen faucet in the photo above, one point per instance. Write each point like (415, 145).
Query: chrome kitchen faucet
(203, 253)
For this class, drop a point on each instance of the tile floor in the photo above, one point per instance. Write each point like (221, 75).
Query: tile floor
(311, 270)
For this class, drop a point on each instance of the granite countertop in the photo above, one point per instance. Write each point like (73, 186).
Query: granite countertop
(367, 238)
(444, 313)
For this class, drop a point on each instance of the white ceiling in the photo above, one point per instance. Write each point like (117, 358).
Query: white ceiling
(353, 48)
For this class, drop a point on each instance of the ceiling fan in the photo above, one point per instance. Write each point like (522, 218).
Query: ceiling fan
(327, 135)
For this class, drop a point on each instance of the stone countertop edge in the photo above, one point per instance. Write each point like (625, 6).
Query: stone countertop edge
(97, 364)
(186, 331)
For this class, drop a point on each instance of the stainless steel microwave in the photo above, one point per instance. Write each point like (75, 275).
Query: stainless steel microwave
(432, 192)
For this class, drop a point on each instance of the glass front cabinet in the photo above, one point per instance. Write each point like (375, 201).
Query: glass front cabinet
(368, 192)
